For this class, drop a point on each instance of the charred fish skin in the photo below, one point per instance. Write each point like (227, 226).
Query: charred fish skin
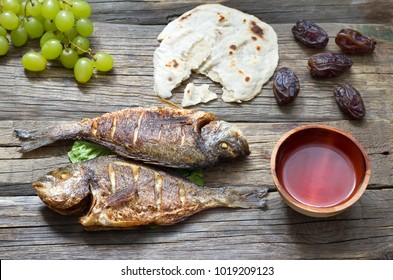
(124, 194)
(160, 135)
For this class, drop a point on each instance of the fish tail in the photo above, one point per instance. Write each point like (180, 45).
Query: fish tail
(33, 139)
(245, 197)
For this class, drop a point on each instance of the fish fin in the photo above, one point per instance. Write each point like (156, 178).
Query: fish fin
(245, 197)
(121, 196)
(36, 138)
(33, 139)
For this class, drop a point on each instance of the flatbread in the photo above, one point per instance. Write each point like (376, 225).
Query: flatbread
(230, 47)
(197, 94)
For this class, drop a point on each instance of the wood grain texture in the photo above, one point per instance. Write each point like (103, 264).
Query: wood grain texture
(54, 94)
(363, 232)
(128, 30)
(285, 11)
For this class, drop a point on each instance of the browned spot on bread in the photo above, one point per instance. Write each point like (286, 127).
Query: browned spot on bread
(256, 29)
(170, 79)
(240, 71)
(221, 17)
(258, 48)
(173, 63)
(244, 20)
(254, 38)
(230, 53)
(233, 47)
(247, 79)
(185, 17)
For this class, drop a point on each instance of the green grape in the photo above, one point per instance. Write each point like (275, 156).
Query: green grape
(3, 31)
(34, 61)
(34, 27)
(19, 36)
(33, 8)
(66, 4)
(9, 20)
(81, 9)
(51, 49)
(49, 25)
(81, 44)
(11, 5)
(68, 58)
(71, 34)
(83, 70)
(49, 35)
(50, 8)
(103, 61)
(61, 37)
(85, 27)
(4, 45)
(64, 20)
(22, 8)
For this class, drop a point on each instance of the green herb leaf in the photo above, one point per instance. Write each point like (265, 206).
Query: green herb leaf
(82, 151)
(195, 176)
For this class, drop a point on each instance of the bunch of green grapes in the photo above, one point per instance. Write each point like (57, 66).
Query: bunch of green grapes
(63, 27)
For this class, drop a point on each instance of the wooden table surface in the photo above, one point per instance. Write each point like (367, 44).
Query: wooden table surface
(128, 30)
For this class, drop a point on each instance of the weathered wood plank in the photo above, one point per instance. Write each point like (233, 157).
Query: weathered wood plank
(364, 231)
(376, 137)
(128, 30)
(160, 12)
(54, 93)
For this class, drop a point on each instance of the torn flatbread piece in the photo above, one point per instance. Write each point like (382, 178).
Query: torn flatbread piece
(235, 49)
(197, 94)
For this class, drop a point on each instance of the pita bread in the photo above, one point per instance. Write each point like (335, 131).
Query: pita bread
(196, 94)
(230, 47)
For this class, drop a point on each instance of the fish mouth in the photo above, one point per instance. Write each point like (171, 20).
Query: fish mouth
(243, 143)
(246, 148)
(61, 206)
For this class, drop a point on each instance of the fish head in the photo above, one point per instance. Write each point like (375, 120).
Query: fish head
(225, 140)
(64, 190)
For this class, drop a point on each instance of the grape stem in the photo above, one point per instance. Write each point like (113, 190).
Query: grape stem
(66, 4)
(88, 51)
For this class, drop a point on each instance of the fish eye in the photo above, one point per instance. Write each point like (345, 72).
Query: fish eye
(64, 174)
(224, 146)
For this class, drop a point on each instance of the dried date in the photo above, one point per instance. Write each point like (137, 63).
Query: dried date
(286, 85)
(353, 42)
(349, 100)
(310, 34)
(328, 65)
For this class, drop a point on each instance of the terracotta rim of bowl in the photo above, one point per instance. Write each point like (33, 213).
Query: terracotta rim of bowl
(311, 210)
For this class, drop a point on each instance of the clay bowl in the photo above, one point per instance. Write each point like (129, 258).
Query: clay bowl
(319, 170)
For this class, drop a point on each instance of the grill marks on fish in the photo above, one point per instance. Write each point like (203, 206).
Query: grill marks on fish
(147, 194)
(158, 190)
(112, 177)
(124, 193)
(163, 136)
(136, 130)
(113, 127)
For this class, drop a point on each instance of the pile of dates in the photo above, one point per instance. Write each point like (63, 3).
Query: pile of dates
(286, 84)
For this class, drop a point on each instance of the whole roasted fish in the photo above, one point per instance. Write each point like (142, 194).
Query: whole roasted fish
(164, 136)
(118, 193)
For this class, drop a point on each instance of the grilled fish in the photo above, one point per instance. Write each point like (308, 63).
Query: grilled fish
(119, 193)
(163, 136)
